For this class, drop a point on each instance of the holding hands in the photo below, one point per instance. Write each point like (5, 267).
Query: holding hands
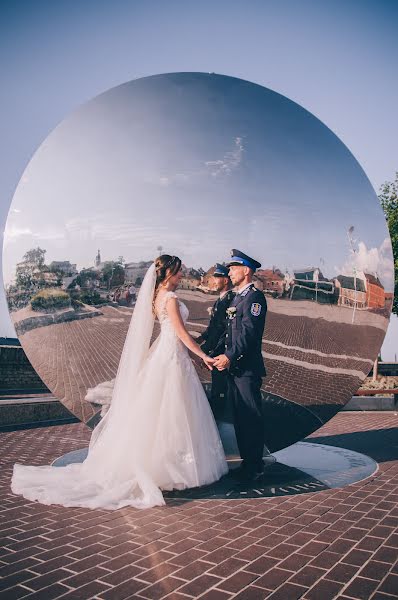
(208, 361)
(222, 362)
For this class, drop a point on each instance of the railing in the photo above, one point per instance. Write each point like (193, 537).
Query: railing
(372, 392)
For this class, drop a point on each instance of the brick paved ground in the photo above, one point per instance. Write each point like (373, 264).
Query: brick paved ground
(340, 543)
(306, 347)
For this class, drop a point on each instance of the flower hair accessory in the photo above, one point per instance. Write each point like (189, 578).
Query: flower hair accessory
(167, 265)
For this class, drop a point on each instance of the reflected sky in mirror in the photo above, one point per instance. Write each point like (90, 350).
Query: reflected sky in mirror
(197, 164)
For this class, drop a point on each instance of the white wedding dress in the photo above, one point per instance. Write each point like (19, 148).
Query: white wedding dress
(159, 433)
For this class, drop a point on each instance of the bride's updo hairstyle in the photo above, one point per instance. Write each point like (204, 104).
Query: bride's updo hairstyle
(166, 266)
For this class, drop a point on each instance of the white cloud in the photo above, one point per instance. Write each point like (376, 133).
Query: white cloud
(230, 161)
(171, 179)
(50, 233)
(16, 234)
(376, 261)
(102, 228)
(386, 266)
(134, 240)
(223, 166)
(13, 233)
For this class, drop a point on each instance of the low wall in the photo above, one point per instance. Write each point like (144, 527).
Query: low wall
(31, 412)
(377, 403)
(64, 316)
(16, 373)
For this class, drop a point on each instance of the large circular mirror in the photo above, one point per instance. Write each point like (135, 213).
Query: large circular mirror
(195, 164)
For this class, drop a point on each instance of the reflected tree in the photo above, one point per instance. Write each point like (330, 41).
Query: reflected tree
(388, 196)
(35, 256)
(113, 273)
(28, 271)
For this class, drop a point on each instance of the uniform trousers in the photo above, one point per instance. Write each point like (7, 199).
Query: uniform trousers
(218, 394)
(245, 396)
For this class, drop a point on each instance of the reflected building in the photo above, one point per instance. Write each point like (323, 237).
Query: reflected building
(351, 291)
(375, 294)
(135, 271)
(190, 282)
(270, 281)
(99, 264)
(63, 266)
(310, 284)
(388, 300)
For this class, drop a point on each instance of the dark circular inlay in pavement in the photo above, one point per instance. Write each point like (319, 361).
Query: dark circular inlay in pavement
(300, 469)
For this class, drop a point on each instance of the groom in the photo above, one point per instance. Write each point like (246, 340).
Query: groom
(243, 358)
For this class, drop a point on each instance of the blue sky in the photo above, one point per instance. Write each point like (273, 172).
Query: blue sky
(336, 59)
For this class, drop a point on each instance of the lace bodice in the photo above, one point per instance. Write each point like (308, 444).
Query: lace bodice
(161, 309)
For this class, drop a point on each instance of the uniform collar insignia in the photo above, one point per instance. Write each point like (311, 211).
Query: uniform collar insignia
(246, 290)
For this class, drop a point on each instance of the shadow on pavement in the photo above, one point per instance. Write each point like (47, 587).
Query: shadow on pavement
(380, 444)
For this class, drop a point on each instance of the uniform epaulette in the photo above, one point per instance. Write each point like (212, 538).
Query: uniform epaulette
(247, 290)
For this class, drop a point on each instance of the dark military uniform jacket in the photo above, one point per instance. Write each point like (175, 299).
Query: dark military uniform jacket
(214, 335)
(245, 328)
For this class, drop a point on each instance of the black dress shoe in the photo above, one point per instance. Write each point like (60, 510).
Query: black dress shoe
(239, 470)
(250, 476)
(247, 473)
(268, 460)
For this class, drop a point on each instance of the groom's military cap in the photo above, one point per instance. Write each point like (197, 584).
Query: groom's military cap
(239, 258)
(220, 271)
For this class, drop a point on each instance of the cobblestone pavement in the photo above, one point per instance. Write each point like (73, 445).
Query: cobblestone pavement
(309, 356)
(340, 543)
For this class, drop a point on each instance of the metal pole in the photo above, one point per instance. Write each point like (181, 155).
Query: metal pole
(375, 369)
(351, 242)
(355, 295)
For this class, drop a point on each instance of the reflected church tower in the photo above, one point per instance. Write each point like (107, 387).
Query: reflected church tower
(98, 259)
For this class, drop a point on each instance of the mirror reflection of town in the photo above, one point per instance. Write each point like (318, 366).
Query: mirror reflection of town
(320, 339)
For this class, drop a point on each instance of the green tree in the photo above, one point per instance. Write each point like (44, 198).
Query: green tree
(113, 273)
(388, 196)
(86, 276)
(27, 271)
(35, 256)
(24, 276)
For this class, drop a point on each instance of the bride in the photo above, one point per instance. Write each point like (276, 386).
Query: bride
(159, 433)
